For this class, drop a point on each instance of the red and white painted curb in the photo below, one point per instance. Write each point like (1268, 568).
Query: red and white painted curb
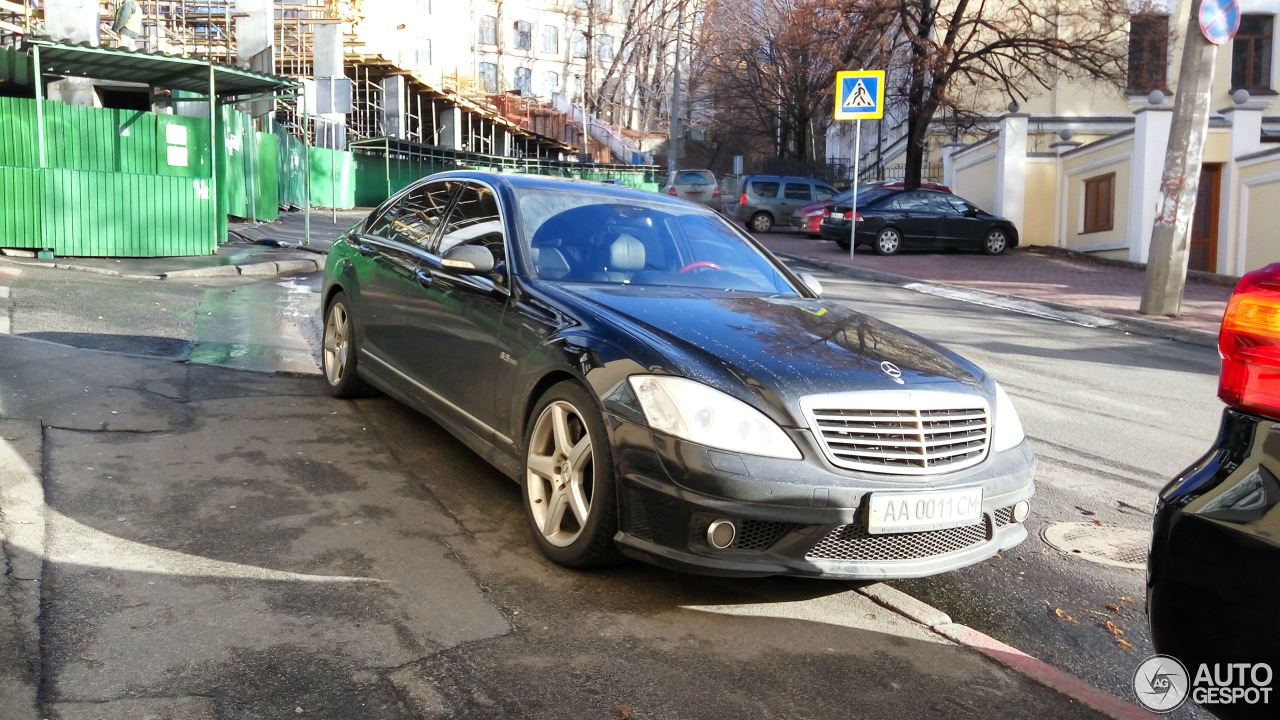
(1013, 658)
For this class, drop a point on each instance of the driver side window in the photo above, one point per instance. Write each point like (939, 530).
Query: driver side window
(415, 217)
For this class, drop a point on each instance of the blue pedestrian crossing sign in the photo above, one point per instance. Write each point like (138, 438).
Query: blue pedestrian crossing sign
(859, 95)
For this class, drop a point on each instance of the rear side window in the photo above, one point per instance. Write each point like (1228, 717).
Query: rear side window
(414, 218)
(765, 189)
(798, 191)
(910, 202)
(822, 192)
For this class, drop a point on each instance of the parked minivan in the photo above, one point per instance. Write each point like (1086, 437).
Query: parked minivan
(768, 200)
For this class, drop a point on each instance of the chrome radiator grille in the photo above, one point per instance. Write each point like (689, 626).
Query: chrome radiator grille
(920, 440)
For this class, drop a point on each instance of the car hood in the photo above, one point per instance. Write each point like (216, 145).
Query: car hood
(783, 348)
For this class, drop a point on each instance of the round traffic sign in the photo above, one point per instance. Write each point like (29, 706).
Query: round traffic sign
(1219, 20)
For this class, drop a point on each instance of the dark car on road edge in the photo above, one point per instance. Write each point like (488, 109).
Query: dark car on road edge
(1213, 576)
(662, 387)
(892, 219)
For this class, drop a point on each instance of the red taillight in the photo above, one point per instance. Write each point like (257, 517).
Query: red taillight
(857, 217)
(744, 198)
(672, 191)
(1249, 344)
(716, 192)
(826, 212)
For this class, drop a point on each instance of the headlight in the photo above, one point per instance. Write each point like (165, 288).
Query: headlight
(694, 412)
(1008, 433)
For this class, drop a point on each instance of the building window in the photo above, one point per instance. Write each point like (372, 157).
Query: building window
(579, 45)
(582, 4)
(488, 30)
(550, 39)
(1251, 53)
(524, 81)
(1099, 203)
(550, 83)
(604, 48)
(489, 77)
(1148, 52)
(523, 35)
(422, 55)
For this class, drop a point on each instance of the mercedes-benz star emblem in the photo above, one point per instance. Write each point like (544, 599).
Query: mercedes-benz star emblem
(892, 371)
(1161, 683)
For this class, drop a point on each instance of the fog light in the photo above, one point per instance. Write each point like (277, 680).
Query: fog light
(1020, 511)
(721, 533)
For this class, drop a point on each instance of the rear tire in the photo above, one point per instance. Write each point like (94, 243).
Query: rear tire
(888, 242)
(996, 242)
(570, 494)
(339, 353)
(761, 222)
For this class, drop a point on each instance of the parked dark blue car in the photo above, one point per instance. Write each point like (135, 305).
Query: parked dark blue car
(892, 219)
(662, 387)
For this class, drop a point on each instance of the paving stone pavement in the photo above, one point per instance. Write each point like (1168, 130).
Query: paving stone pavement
(1032, 272)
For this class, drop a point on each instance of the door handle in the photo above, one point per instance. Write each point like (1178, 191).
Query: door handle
(424, 278)
(365, 250)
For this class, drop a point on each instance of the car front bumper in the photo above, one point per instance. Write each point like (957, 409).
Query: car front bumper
(796, 517)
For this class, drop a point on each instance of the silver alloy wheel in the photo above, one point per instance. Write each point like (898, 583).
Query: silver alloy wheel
(761, 223)
(560, 478)
(337, 343)
(996, 242)
(888, 240)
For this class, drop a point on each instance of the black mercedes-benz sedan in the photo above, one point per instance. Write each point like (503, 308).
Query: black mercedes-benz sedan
(663, 388)
(891, 218)
(1213, 576)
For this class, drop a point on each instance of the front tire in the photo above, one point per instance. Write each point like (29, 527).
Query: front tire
(338, 354)
(888, 242)
(570, 496)
(761, 222)
(996, 242)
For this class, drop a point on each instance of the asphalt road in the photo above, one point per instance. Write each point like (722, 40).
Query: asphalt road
(1111, 418)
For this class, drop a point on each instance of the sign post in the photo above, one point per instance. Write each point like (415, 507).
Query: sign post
(859, 96)
(1169, 249)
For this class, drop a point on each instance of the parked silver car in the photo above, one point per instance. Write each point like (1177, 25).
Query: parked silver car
(698, 186)
(767, 200)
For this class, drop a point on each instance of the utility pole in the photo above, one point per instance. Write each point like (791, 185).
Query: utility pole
(1166, 273)
(673, 141)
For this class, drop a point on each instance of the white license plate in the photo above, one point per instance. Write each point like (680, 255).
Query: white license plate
(920, 511)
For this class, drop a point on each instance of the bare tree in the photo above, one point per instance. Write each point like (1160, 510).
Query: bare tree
(770, 66)
(962, 56)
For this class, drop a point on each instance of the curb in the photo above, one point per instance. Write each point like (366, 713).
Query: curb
(1041, 672)
(4, 309)
(261, 269)
(1136, 326)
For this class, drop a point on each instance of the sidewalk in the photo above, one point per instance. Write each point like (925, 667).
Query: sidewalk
(255, 249)
(1045, 275)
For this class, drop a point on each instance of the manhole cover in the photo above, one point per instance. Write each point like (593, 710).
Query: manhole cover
(1104, 544)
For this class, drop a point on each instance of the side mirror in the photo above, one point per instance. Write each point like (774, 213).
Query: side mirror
(812, 283)
(468, 259)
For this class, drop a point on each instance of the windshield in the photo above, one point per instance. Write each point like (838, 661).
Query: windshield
(576, 235)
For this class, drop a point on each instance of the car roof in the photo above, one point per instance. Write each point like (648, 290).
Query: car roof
(546, 182)
(784, 177)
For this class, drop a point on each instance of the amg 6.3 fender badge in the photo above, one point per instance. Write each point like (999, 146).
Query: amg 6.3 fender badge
(892, 371)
